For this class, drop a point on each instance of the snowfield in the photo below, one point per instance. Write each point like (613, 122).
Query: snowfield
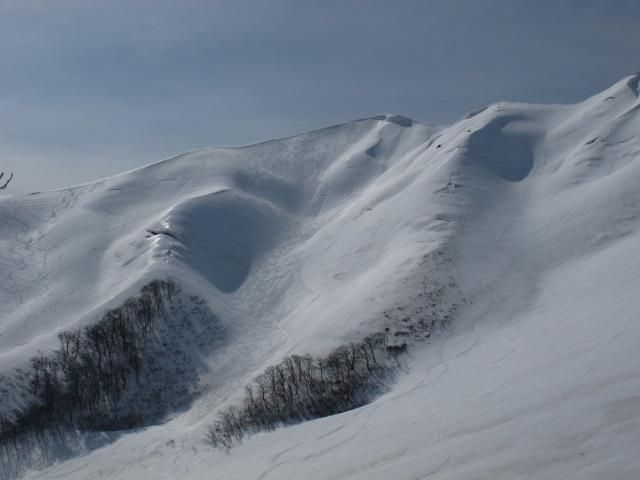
(301, 244)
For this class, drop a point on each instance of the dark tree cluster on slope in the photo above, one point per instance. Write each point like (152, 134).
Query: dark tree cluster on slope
(304, 387)
(82, 383)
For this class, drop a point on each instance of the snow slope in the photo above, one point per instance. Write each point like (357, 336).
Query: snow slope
(302, 243)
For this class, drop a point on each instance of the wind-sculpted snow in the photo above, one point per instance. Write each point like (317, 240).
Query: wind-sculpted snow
(221, 234)
(504, 146)
(308, 243)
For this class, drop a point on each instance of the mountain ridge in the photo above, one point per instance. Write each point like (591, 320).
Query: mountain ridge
(303, 243)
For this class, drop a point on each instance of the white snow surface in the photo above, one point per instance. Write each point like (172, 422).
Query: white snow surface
(300, 244)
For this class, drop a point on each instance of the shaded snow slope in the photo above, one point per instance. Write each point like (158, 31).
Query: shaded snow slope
(301, 243)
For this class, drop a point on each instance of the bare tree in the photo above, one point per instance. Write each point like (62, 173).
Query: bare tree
(2, 187)
(302, 387)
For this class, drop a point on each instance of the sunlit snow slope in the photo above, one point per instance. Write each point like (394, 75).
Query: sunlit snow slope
(300, 244)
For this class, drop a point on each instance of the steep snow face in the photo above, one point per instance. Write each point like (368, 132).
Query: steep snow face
(302, 243)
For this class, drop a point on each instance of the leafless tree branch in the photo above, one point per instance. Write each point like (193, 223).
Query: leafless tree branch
(2, 187)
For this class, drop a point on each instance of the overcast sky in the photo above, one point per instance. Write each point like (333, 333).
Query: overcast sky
(93, 88)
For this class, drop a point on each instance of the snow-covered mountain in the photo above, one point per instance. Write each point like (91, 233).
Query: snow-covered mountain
(527, 217)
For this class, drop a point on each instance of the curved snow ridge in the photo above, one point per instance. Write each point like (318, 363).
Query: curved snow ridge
(633, 82)
(219, 235)
(502, 148)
